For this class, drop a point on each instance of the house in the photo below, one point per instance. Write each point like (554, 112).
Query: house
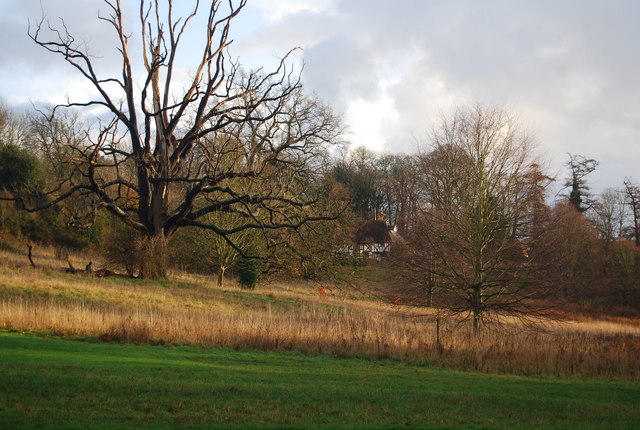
(373, 239)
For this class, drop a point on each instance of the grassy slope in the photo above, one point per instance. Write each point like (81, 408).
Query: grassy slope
(54, 383)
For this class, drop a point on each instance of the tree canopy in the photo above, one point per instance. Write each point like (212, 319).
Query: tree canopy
(167, 153)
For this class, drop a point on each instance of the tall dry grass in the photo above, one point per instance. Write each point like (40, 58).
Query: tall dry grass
(288, 317)
(315, 330)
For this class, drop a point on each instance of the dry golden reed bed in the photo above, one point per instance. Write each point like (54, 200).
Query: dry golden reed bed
(188, 310)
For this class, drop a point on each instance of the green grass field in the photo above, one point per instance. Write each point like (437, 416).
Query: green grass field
(68, 384)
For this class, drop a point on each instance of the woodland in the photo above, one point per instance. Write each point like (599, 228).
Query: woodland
(206, 249)
(243, 174)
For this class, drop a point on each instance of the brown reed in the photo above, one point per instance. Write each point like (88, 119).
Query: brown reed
(315, 330)
(302, 318)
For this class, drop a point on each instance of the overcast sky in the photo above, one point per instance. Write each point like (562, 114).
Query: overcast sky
(569, 69)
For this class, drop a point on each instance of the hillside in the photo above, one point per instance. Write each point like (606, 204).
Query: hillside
(298, 316)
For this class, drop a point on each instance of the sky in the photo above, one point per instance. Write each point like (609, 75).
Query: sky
(568, 69)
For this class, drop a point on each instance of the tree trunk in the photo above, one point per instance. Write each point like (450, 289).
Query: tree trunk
(478, 320)
(221, 271)
(478, 309)
(154, 256)
(30, 255)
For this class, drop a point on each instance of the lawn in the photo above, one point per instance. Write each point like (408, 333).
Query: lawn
(69, 384)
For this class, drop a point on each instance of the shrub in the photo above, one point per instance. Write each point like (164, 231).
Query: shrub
(249, 270)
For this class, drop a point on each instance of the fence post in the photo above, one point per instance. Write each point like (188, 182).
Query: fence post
(438, 344)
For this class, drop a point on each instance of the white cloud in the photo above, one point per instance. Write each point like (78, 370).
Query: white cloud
(568, 68)
(581, 90)
(371, 121)
(277, 10)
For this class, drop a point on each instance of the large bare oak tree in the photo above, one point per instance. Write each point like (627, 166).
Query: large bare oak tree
(169, 152)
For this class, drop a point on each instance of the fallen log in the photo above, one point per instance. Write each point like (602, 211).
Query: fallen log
(88, 270)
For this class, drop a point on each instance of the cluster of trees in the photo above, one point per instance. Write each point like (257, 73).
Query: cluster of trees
(233, 166)
(478, 232)
(239, 154)
(46, 197)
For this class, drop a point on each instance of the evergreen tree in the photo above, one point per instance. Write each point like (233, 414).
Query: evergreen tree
(579, 168)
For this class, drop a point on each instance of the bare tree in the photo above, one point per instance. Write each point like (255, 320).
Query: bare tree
(212, 250)
(13, 127)
(168, 152)
(632, 197)
(54, 137)
(359, 172)
(472, 239)
(623, 272)
(609, 214)
(575, 254)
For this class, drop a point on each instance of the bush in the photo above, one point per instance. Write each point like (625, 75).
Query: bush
(120, 245)
(249, 271)
(19, 170)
